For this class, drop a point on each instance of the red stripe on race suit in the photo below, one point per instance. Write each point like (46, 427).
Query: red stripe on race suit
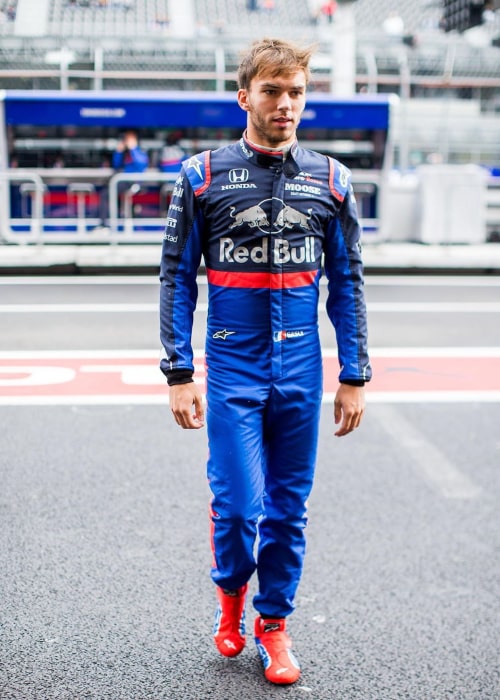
(261, 280)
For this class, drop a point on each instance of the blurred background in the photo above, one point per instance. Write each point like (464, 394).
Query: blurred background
(406, 93)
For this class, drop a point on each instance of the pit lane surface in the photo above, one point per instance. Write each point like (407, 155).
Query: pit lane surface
(104, 557)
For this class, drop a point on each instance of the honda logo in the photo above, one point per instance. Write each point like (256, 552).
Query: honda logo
(238, 175)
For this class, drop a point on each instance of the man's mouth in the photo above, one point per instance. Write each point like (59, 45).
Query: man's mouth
(283, 121)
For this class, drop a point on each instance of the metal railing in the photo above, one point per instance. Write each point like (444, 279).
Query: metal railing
(119, 202)
(122, 222)
(36, 190)
(118, 220)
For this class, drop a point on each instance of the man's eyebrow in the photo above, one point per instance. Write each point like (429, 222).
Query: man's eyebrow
(280, 87)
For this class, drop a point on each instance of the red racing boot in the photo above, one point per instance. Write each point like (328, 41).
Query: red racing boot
(229, 624)
(274, 646)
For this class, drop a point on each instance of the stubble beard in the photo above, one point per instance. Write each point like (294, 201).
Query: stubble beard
(267, 135)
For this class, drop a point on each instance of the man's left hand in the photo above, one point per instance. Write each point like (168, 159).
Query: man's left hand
(348, 408)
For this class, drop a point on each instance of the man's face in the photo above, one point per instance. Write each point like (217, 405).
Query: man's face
(274, 105)
(130, 140)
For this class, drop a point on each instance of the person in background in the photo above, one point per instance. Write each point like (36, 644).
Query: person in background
(268, 6)
(171, 155)
(266, 214)
(328, 10)
(129, 157)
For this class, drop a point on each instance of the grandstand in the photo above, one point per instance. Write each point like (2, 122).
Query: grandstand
(448, 82)
(121, 18)
(8, 11)
(195, 45)
(141, 18)
(205, 36)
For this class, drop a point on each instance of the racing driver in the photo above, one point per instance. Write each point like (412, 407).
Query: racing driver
(265, 214)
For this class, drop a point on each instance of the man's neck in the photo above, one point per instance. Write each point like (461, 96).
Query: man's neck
(281, 149)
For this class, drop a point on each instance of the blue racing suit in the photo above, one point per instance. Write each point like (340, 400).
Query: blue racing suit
(264, 224)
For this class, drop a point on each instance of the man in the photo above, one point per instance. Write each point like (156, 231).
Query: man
(171, 155)
(263, 213)
(129, 156)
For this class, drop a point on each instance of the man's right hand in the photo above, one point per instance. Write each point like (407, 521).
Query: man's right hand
(187, 405)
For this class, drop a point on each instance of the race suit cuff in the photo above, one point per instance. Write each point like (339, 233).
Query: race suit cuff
(353, 382)
(179, 376)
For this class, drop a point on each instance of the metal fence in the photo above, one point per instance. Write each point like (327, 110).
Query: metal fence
(437, 65)
(99, 206)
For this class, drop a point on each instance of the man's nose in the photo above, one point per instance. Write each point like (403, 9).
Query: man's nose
(284, 101)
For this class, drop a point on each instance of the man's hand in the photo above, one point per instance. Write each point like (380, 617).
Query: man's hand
(349, 408)
(187, 406)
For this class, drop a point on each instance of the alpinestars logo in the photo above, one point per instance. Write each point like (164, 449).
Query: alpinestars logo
(222, 335)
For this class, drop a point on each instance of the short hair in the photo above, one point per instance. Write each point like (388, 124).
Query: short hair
(274, 56)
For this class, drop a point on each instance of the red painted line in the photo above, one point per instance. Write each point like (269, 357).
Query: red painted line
(427, 374)
(28, 376)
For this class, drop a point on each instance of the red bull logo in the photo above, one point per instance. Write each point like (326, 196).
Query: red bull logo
(279, 251)
(290, 217)
(255, 217)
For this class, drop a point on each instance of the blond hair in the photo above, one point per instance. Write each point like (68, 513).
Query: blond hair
(274, 57)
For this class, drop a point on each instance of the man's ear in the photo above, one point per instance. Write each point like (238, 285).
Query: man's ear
(242, 97)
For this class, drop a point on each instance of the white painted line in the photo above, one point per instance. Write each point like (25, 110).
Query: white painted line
(399, 397)
(76, 308)
(86, 354)
(84, 400)
(392, 352)
(370, 280)
(426, 307)
(76, 280)
(431, 352)
(375, 307)
(432, 396)
(432, 281)
(430, 462)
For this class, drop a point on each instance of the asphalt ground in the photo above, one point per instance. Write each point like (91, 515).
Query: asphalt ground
(104, 553)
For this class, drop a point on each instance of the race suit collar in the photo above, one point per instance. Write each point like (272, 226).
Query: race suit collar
(268, 158)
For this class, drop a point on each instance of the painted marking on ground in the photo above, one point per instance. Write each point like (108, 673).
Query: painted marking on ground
(434, 307)
(400, 375)
(429, 461)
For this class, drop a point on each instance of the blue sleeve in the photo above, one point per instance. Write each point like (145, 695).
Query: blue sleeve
(346, 305)
(181, 257)
(140, 159)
